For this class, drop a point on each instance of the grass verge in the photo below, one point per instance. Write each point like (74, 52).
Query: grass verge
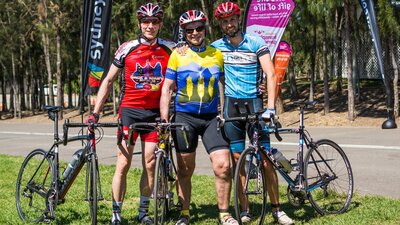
(363, 210)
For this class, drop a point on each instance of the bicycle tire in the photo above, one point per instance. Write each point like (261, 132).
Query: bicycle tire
(160, 190)
(329, 178)
(172, 185)
(255, 191)
(33, 183)
(92, 196)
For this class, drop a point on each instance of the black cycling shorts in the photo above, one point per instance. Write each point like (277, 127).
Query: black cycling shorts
(203, 125)
(131, 115)
(236, 131)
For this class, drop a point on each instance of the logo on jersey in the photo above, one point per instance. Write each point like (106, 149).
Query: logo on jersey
(147, 77)
(240, 58)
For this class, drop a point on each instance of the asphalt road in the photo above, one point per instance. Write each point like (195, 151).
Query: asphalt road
(374, 153)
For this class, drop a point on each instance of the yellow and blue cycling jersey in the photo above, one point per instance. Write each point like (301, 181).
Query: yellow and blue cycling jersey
(196, 75)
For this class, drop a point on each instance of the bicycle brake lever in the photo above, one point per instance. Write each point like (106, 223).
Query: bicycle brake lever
(275, 126)
(220, 122)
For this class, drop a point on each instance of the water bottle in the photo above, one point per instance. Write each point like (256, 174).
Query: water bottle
(76, 159)
(281, 159)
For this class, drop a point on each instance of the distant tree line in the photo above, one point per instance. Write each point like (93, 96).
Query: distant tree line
(41, 45)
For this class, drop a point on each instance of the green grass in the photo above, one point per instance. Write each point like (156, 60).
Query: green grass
(363, 210)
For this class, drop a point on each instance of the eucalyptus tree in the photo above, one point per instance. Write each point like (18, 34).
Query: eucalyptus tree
(389, 27)
(349, 12)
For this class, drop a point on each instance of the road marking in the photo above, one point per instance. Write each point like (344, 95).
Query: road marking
(380, 147)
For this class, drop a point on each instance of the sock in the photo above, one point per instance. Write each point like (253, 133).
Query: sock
(116, 211)
(222, 214)
(144, 206)
(185, 212)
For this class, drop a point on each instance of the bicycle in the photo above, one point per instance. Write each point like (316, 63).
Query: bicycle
(165, 176)
(41, 187)
(323, 176)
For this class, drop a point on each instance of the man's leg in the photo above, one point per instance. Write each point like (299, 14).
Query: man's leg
(146, 179)
(272, 184)
(186, 165)
(124, 159)
(273, 193)
(220, 160)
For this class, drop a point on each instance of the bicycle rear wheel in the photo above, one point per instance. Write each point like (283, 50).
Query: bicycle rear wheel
(329, 178)
(250, 187)
(91, 180)
(160, 190)
(33, 183)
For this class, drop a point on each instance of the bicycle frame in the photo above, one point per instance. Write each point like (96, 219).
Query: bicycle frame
(54, 192)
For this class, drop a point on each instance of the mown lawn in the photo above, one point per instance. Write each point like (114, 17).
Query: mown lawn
(363, 210)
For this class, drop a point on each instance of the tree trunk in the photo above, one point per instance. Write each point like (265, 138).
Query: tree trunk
(46, 50)
(325, 69)
(292, 81)
(14, 85)
(349, 69)
(313, 63)
(339, 52)
(204, 8)
(60, 89)
(395, 77)
(4, 87)
(69, 86)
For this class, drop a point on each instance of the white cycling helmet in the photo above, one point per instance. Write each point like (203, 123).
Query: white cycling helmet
(191, 16)
(150, 10)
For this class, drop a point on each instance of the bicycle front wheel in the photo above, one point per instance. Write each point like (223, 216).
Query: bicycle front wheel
(92, 197)
(33, 183)
(329, 178)
(250, 188)
(160, 190)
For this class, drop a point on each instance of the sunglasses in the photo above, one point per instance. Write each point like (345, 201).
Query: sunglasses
(147, 22)
(198, 29)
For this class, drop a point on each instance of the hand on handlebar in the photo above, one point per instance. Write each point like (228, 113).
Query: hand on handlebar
(93, 118)
(269, 114)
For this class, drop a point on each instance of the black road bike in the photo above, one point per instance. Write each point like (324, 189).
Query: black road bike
(41, 186)
(322, 175)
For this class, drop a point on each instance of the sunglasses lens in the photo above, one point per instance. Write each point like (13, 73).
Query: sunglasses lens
(198, 29)
(148, 21)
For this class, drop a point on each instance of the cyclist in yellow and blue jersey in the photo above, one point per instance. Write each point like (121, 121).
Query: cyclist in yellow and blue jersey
(196, 75)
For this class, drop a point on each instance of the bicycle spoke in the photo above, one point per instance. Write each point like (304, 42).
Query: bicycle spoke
(329, 182)
(33, 182)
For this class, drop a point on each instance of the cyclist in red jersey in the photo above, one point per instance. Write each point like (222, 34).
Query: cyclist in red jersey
(143, 63)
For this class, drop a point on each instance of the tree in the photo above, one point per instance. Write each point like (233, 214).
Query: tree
(348, 18)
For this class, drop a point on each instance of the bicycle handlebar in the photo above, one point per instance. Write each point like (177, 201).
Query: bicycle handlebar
(91, 126)
(160, 125)
(254, 117)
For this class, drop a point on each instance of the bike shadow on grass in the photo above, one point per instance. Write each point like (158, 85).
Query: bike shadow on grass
(208, 213)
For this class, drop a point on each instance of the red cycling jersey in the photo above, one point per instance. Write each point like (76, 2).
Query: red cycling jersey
(144, 71)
